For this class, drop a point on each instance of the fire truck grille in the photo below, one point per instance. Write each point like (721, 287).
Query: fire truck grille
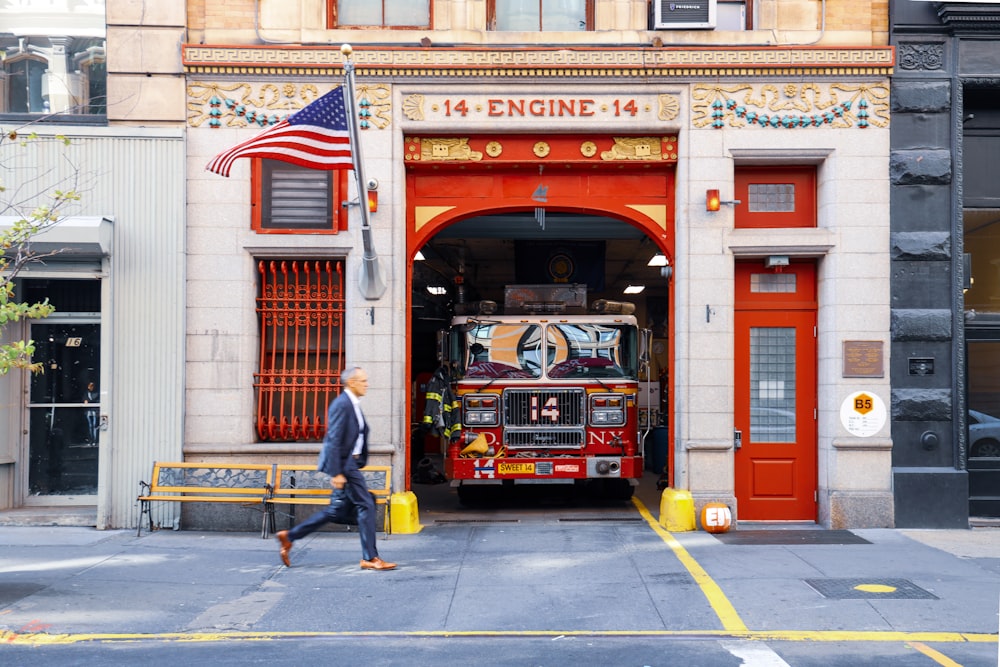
(544, 418)
(525, 438)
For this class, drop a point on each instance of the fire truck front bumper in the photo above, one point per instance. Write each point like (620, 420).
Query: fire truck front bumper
(552, 470)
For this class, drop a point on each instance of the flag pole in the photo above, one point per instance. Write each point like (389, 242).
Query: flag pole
(372, 278)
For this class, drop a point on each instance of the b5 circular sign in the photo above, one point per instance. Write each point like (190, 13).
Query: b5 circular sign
(863, 414)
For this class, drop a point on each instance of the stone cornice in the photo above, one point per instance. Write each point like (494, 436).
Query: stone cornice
(538, 62)
(970, 17)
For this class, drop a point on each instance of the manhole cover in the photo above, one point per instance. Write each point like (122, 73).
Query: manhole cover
(869, 589)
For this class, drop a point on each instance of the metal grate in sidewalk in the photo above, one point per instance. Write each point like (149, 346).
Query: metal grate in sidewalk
(869, 589)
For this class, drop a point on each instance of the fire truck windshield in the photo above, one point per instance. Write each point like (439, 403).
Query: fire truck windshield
(502, 350)
(515, 350)
(591, 350)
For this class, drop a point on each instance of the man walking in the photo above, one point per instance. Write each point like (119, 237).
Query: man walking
(344, 453)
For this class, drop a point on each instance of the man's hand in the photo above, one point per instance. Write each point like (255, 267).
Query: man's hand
(338, 481)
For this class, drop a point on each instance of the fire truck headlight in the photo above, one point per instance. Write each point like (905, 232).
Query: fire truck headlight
(481, 418)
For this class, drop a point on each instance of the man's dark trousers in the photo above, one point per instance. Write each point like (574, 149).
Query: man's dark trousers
(357, 491)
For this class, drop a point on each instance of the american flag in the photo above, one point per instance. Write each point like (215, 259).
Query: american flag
(316, 137)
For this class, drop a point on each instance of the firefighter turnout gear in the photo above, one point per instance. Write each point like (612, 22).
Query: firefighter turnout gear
(442, 409)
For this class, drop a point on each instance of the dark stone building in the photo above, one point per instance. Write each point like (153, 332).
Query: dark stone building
(945, 185)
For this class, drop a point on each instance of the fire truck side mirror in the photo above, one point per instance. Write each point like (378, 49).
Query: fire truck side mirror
(645, 338)
(442, 346)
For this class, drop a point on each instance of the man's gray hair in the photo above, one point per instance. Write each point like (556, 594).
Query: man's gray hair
(348, 373)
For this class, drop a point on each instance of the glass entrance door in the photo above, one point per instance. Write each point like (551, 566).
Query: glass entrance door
(64, 412)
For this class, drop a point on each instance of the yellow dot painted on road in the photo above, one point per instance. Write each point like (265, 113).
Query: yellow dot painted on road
(875, 588)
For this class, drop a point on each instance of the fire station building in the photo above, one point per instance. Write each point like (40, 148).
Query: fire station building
(745, 146)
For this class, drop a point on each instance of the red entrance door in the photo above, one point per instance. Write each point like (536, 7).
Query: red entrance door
(775, 407)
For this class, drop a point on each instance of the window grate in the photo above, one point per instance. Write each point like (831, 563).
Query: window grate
(301, 313)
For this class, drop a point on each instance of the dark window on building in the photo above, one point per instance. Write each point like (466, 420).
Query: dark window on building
(62, 77)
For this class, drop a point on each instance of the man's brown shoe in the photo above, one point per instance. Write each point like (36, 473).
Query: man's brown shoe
(286, 547)
(376, 564)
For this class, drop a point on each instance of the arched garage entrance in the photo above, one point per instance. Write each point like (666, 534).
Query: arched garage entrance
(490, 211)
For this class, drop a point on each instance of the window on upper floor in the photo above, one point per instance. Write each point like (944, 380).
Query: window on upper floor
(290, 199)
(540, 15)
(379, 13)
(52, 61)
(43, 75)
(775, 197)
(734, 15)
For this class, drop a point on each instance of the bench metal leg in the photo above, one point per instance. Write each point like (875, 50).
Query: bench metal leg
(144, 511)
(268, 524)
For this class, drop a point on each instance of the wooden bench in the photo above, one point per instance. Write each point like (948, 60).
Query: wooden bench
(249, 484)
(303, 484)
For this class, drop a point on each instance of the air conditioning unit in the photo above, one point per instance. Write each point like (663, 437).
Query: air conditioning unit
(683, 14)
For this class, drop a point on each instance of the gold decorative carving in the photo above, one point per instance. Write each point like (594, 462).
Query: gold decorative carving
(494, 149)
(588, 149)
(791, 105)
(541, 148)
(413, 107)
(670, 107)
(439, 150)
(614, 62)
(635, 148)
(379, 97)
(264, 104)
(242, 104)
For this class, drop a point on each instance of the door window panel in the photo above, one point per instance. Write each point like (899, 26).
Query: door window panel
(64, 409)
(772, 384)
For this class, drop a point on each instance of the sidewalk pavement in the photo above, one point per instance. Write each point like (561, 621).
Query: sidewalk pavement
(519, 572)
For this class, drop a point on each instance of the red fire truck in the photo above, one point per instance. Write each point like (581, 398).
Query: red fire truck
(548, 392)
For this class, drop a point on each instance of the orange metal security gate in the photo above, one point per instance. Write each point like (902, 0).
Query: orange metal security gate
(301, 312)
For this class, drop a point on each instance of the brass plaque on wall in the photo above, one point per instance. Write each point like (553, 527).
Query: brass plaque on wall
(864, 359)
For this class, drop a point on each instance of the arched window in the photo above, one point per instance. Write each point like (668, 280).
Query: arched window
(25, 74)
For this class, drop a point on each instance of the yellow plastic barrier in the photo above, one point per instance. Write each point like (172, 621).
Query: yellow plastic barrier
(405, 516)
(676, 510)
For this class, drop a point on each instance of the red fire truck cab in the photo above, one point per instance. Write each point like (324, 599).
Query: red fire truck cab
(547, 392)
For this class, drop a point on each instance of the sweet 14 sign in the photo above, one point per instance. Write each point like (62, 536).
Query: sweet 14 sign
(863, 414)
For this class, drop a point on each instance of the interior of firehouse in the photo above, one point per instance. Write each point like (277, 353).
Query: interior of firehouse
(539, 331)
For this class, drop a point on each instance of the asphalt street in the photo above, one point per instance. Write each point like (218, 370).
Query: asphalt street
(519, 585)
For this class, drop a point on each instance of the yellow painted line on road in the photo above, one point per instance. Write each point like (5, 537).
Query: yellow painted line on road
(936, 656)
(912, 638)
(724, 609)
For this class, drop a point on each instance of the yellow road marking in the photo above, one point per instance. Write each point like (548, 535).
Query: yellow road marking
(912, 638)
(936, 656)
(720, 603)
